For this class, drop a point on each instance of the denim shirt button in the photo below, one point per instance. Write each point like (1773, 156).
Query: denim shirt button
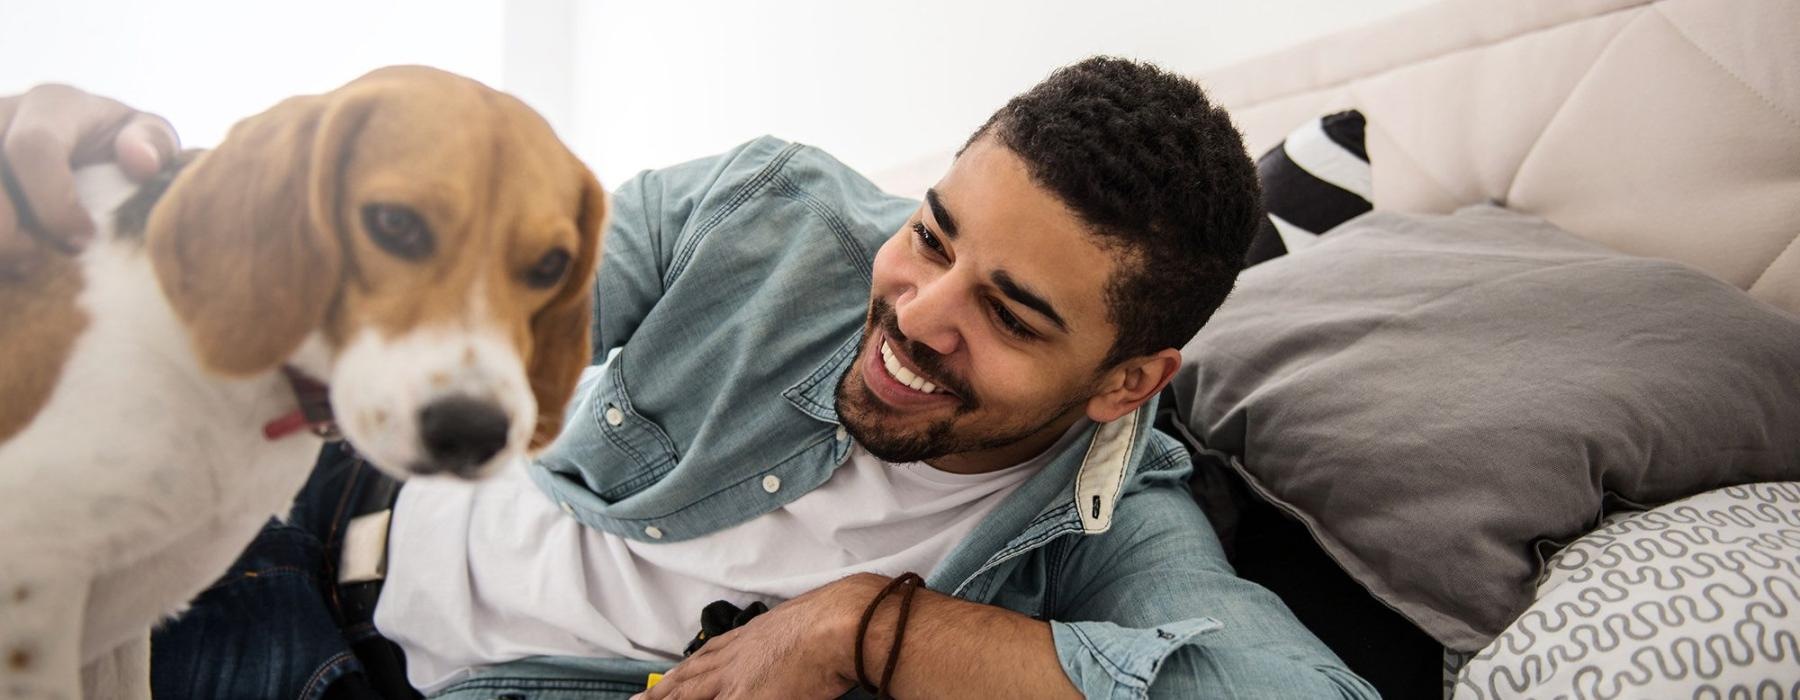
(771, 483)
(1164, 634)
(614, 416)
(654, 532)
(842, 433)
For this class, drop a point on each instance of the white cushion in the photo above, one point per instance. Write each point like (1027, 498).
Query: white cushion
(1698, 598)
(1668, 129)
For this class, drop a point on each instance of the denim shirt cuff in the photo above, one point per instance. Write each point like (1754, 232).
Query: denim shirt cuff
(1105, 660)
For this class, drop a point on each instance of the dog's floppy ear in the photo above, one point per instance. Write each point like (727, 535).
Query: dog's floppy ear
(561, 332)
(246, 242)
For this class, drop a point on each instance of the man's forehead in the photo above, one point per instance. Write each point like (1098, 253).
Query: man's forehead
(1020, 235)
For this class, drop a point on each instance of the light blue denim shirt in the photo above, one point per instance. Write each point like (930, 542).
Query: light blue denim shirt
(734, 288)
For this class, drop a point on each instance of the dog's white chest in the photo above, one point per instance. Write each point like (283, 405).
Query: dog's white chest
(142, 472)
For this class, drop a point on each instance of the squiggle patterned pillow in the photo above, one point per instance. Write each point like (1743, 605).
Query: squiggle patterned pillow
(1697, 599)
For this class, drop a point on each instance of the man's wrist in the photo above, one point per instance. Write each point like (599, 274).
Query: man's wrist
(858, 592)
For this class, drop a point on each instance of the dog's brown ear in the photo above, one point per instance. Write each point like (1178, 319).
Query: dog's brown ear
(246, 242)
(561, 332)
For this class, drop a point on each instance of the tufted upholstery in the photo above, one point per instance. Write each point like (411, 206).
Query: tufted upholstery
(1663, 128)
(1668, 129)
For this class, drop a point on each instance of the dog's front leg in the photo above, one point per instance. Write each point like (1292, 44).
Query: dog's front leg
(123, 673)
(41, 611)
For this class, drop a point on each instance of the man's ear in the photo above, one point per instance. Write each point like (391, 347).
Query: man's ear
(1135, 381)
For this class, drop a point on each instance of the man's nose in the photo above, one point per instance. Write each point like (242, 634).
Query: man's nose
(930, 318)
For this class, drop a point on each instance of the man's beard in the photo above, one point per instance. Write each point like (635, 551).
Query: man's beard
(870, 421)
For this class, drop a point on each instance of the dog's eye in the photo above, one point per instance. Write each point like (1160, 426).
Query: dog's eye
(548, 270)
(398, 230)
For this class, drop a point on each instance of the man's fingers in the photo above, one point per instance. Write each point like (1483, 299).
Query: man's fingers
(51, 128)
(47, 133)
(13, 240)
(145, 143)
(41, 184)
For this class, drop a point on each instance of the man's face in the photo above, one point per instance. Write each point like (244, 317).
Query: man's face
(987, 323)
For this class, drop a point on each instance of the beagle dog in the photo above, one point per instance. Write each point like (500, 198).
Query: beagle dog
(418, 243)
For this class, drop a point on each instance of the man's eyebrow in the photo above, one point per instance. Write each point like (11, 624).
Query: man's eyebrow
(940, 213)
(1013, 290)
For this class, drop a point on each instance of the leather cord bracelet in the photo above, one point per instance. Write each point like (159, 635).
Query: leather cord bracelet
(906, 583)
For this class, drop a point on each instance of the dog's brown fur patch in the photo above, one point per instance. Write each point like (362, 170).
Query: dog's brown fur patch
(19, 659)
(39, 322)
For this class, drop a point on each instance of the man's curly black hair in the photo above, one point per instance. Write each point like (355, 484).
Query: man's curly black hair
(1158, 173)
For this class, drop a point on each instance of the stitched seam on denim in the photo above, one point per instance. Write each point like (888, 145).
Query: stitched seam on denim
(637, 483)
(742, 483)
(647, 426)
(539, 684)
(1112, 667)
(622, 403)
(653, 468)
(1054, 556)
(799, 393)
(738, 198)
(1015, 551)
(617, 441)
(334, 666)
(1165, 458)
(846, 240)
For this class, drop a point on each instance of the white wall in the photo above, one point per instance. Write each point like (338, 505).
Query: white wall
(640, 84)
(205, 64)
(880, 83)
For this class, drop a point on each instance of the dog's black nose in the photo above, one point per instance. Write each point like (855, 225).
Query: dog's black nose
(461, 434)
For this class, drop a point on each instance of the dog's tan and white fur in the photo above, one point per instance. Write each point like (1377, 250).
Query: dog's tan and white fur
(139, 374)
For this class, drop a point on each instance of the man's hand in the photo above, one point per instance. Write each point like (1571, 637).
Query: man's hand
(48, 132)
(799, 649)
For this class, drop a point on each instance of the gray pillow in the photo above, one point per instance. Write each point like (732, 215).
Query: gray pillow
(1439, 399)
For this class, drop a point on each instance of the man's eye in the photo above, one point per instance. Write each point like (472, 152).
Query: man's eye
(1011, 323)
(927, 238)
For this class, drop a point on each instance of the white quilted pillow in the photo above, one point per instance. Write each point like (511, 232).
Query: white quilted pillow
(1697, 599)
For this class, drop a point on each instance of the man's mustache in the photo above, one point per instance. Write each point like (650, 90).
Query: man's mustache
(925, 358)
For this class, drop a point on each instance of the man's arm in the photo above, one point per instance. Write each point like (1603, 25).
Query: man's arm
(806, 648)
(1167, 610)
(645, 230)
(1155, 612)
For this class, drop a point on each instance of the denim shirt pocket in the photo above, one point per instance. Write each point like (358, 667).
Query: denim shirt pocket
(607, 445)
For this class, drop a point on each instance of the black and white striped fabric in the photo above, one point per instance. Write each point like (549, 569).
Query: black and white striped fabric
(1316, 179)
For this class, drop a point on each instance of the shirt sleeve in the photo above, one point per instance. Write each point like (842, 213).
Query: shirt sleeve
(1154, 610)
(651, 213)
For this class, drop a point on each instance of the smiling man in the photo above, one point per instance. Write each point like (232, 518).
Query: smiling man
(812, 388)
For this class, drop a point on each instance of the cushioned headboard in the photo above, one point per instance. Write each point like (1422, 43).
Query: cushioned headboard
(1668, 129)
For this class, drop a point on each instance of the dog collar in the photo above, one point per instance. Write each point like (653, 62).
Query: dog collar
(314, 413)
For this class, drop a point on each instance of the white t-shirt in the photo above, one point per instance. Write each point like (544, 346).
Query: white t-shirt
(480, 574)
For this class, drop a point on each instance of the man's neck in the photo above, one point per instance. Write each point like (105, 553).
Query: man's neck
(997, 458)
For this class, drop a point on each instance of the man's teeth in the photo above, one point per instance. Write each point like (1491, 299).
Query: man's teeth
(902, 374)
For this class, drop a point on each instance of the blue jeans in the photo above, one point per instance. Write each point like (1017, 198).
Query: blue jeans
(271, 626)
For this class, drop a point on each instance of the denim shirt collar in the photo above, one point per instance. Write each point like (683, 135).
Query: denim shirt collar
(816, 395)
